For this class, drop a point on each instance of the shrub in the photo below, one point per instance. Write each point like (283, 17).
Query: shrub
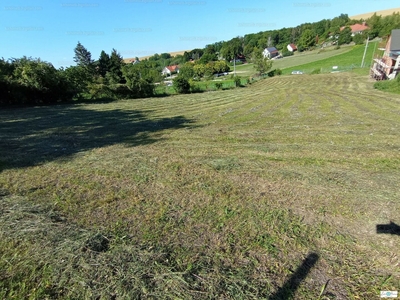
(358, 39)
(286, 53)
(237, 81)
(218, 85)
(195, 88)
(275, 72)
(181, 85)
(316, 71)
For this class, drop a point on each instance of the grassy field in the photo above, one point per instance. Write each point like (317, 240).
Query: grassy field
(345, 57)
(345, 61)
(295, 60)
(285, 189)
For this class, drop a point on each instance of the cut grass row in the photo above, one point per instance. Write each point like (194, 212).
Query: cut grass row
(216, 195)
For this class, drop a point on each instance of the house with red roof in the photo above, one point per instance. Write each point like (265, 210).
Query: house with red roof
(356, 28)
(169, 70)
(291, 47)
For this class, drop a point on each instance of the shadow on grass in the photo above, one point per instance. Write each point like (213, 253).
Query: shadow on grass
(391, 228)
(33, 135)
(291, 285)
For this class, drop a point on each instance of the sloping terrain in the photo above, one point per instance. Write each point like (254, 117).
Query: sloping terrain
(287, 188)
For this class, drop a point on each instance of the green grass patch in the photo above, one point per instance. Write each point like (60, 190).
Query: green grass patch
(347, 61)
(391, 86)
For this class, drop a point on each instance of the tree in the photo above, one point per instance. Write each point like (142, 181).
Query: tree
(115, 69)
(207, 57)
(138, 86)
(261, 64)
(181, 84)
(199, 70)
(82, 56)
(358, 39)
(37, 81)
(221, 66)
(103, 64)
(186, 71)
(6, 71)
(78, 79)
(345, 36)
(307, 40)
(232, 48)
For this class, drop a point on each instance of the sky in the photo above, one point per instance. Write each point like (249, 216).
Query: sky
(51, 29)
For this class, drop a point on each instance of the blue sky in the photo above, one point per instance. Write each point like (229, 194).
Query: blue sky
(50, 29)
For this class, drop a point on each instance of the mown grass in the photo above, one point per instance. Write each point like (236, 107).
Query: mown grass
(216, 195)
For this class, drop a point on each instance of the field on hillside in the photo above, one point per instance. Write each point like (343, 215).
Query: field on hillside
(292, 61)
(285, 189)
(383, 13)
(346, 58)
(344, 62)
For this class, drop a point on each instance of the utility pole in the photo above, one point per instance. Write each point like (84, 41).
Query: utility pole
(365, 51)
(234, 65)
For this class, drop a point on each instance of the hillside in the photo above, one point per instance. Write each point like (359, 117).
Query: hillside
(383, 13)
(285, 189)
(364, 16)
(126, 60)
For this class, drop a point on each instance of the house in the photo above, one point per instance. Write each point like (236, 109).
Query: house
(239, 59)
(356, 28)
(170, 70)
(291, 47)
(388, 66)
(270, 52)
(134, 61)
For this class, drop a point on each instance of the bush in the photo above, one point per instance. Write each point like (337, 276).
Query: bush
(286, 53)
(195, 88)
(218, 85)
(275, 72)
(358, 39)
(237, 81)
(316, 71)
(181, 85)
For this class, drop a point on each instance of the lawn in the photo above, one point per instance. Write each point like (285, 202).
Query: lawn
(295, 60)
(284, 189)
(349, 60)
(346, 58)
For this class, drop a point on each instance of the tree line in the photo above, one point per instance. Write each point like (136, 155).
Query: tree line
(29, 80)
(309, 35)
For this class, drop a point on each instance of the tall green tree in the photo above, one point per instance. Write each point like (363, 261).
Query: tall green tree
(345, 36)
(83, 57)
(231, 49)
(103, 64)
(115, 68)
(307, 40)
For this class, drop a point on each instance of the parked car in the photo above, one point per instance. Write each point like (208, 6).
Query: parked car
(297, 72)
